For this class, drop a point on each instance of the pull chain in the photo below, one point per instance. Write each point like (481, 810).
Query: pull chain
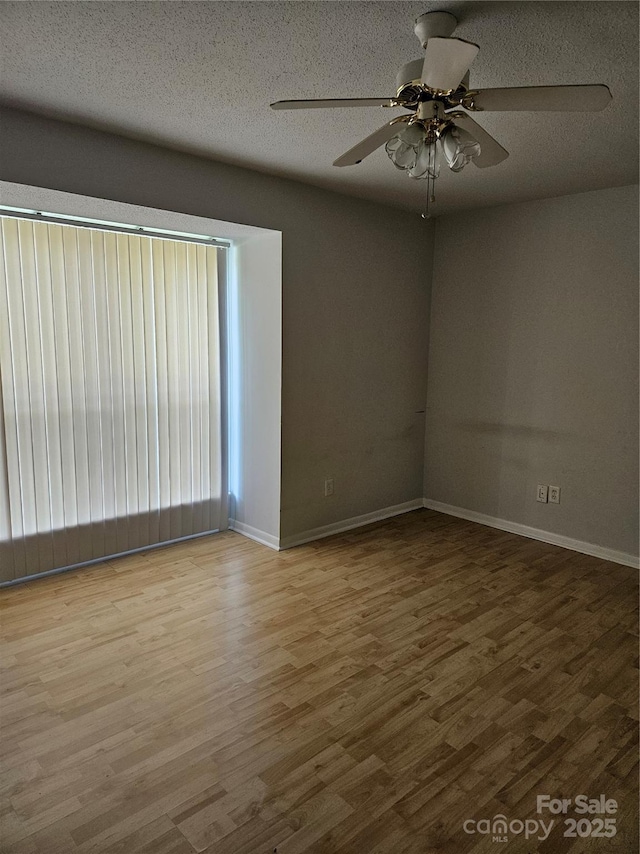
(431, 196)
(431, 183)
(426, 214)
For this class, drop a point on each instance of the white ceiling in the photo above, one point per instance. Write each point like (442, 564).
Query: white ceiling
(199, 76)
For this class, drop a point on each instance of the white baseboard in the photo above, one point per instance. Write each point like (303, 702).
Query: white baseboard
(535, 533)
(348, 524)
(254, 534)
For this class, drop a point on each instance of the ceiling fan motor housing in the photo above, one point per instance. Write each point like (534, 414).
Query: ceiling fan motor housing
(411, 72)
(409, 87)
(434, 25)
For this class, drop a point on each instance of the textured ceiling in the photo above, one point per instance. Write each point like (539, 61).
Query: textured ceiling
(200, 76)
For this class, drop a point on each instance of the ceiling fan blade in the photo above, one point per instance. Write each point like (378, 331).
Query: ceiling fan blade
(321, 103)
(446, 61)
(370, 143)
(564, 98)
(491, 152)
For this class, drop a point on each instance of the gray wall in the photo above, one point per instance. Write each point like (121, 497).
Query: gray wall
(533, 365)
(356, 280)
(533, 357)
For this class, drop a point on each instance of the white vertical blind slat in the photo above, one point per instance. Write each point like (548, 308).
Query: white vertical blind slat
(62, 379)
(184, 394)
(13, 526)
(74, 345)
(109, 394)
(195, 357)
(115, 374)
(128, 390)
(100, 328)
(162, 388)
(139, 385)
(93, 422)
(24, 465)
(51, 420)
(173, 390)
(151, 387)
(35, 384)
(214, 365)
(203, 365)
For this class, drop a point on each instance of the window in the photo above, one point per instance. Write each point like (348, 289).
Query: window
(111, 407)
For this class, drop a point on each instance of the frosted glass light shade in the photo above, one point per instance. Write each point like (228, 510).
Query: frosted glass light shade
(459, 148)
(427, 163)
(413, 152)
(404, 148)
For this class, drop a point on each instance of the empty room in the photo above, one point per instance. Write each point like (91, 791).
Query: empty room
(319, 514)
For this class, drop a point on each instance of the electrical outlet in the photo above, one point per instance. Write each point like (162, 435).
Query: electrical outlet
(554, 494)
(328, 487)
(541, 494)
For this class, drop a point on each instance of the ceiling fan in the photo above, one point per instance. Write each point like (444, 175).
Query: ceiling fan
(434, 90)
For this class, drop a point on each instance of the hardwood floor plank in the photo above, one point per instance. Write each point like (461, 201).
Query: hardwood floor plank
(365, 693)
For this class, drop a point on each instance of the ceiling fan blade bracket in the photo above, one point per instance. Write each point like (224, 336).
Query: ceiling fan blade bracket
(467, 100)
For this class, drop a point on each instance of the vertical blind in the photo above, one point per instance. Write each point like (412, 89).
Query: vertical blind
(110, 410)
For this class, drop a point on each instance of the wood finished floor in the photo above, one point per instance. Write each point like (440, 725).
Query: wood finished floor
(364, 694)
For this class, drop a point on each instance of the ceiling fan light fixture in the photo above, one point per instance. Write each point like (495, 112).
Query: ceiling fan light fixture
(459, 147)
